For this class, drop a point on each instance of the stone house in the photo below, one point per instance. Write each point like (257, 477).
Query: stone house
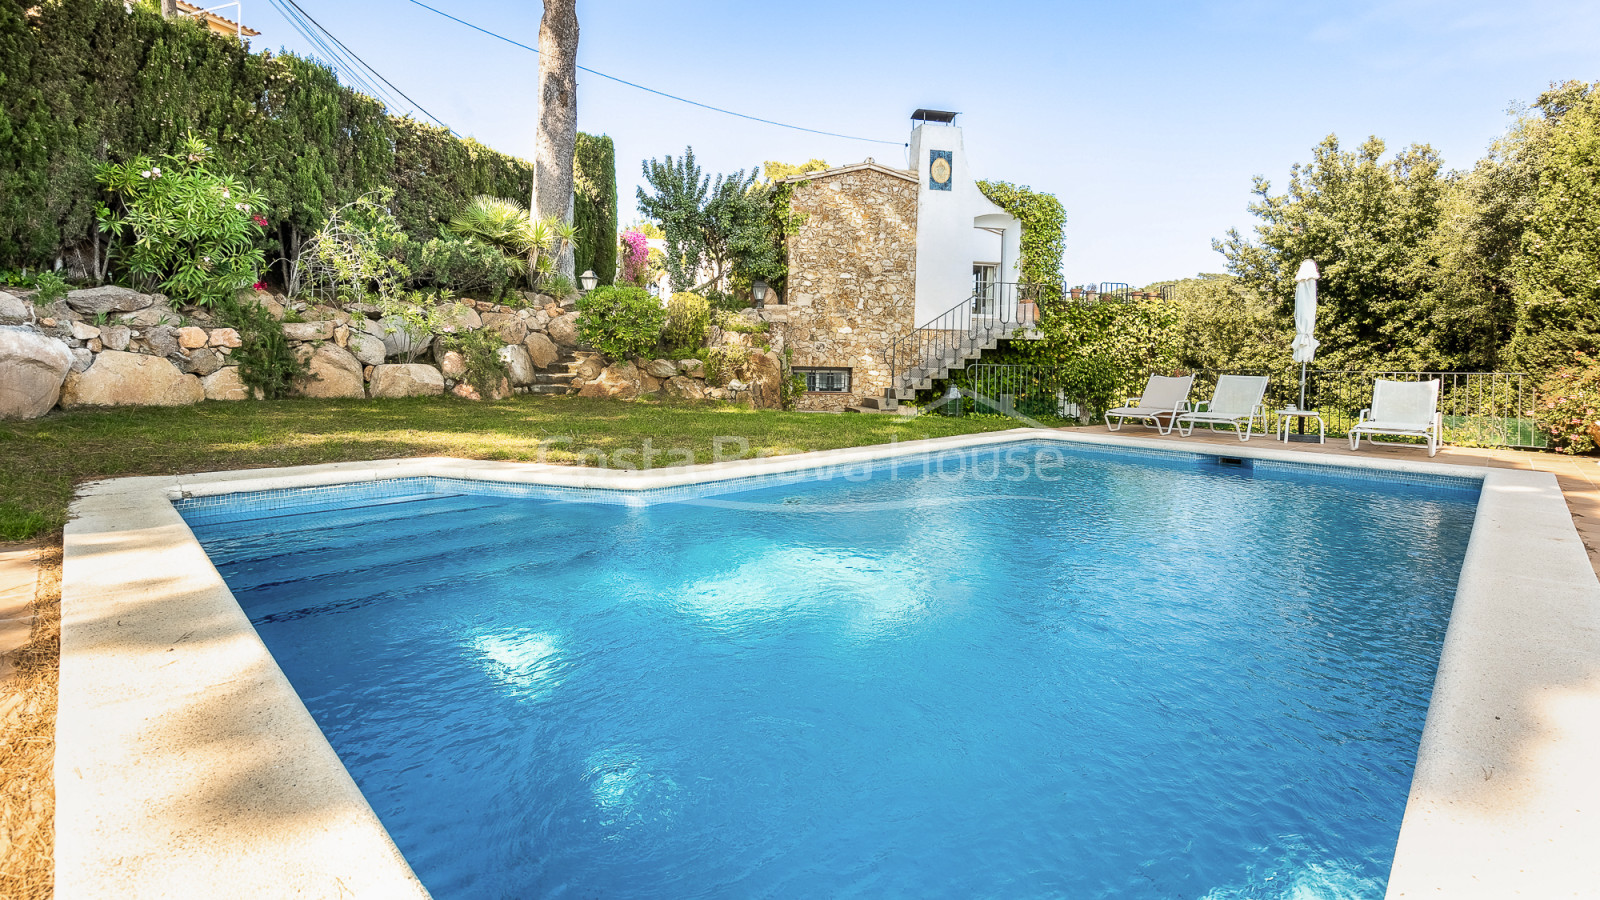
(883, 256)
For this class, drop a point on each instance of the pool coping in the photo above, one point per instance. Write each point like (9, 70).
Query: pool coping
(187, 766)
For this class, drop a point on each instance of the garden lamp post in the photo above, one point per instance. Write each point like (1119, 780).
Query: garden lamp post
(588, 280)
(759, 292)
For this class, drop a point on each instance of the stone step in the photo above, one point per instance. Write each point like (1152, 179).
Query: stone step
(880, 403)
(561, 378)
(549, 389)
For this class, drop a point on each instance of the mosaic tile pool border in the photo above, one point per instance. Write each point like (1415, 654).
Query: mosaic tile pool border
(242, 506)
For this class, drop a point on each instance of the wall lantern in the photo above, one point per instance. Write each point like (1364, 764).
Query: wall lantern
(588, 280)
(759, 291)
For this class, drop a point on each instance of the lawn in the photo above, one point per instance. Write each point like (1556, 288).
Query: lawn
(41, 461)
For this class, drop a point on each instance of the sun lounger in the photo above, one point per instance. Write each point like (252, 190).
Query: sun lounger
(1163, 398)
(1401, 408)
(1236, 401)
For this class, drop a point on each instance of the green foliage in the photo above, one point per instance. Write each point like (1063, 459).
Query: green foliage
(729, 320)
(558, 286)
(706, 223)
(778, 171)
(181, 226)
(48, 287)
(1557, 271)
(1366, 222)
(267, 364)
(1569, 405)
(621, 322)
(687, 318)
(500, 223)
(594, 206)
(1222, 326)
(480, 352)
(358, 256)
(463, 267)
(86, 82)
(1044, 221)
(1102, 352)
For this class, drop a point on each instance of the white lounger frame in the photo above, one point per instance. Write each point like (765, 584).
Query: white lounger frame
(1168, 397)
(1216, 411)
(1396, 410)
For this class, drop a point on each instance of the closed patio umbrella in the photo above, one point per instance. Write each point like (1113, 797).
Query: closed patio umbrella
(1305, 320)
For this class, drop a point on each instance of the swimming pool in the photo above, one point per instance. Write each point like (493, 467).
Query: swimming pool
(1102, 676)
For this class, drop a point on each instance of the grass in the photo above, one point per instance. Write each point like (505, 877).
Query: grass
(46, 458)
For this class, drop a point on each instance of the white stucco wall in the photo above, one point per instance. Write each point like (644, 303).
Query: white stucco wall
(949, 240)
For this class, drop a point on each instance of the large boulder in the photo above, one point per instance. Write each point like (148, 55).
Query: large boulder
(401, 340)
(589, 366)
(450, 318)
(519, 366)
(162, 340)
(115, 337)
(366, 342)
(189, 337)
(131, 379)
(225, 384)
(158, 313)
(618, 382)
(32, 368)
(662, 368)
(765, 370)
(693, 368)
(265, 300)
(224, 337)
(107, 299)
(563, 330)
(541, 350)
(680, 387)
(407, 380)
(14, 310)
(508, 326)
(330, 372)
(308, 331)
(201, 362)
(452, 364)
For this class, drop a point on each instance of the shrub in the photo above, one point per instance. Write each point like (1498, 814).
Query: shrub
(558, 286)
(635, 257)
(480, 352)
(1569, 406)
(621, 322)
(731, 321)
(266, 361)
(194, 233)
(687, 318)
(48, 288)
(462, 266)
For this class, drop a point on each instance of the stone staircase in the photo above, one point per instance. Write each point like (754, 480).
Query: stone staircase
(949, 343)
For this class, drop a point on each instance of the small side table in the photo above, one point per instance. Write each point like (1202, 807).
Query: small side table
(1289, 413)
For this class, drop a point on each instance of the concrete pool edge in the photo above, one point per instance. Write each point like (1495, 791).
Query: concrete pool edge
(187, 765)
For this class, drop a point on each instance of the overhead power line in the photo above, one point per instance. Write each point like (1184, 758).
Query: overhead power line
(342, 56)
(727, 112)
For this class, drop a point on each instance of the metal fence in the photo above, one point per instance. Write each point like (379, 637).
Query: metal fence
(1483, 409)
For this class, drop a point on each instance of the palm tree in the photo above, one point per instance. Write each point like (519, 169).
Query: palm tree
(558, 119)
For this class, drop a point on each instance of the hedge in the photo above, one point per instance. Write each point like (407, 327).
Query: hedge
(86, 81)
(594, 206)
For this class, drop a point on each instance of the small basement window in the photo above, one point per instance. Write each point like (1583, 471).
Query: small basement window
(825, 381)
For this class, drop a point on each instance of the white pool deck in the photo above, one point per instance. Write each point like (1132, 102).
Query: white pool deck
(186, 765)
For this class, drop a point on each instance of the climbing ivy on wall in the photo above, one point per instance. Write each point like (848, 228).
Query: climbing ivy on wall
(594, 206)
(1043, 238)
(87, 81)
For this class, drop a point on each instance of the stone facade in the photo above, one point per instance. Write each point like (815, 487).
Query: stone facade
(852, 277)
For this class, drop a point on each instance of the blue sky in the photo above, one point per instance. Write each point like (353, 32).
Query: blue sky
(1147, 119)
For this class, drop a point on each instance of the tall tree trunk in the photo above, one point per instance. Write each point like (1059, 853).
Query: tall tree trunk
(558, 118)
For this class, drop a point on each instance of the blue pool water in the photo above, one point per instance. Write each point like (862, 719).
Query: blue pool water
(1112, 678)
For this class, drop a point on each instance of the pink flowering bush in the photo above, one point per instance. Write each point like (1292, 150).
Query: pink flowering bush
(1569, 406)
(635, 257)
